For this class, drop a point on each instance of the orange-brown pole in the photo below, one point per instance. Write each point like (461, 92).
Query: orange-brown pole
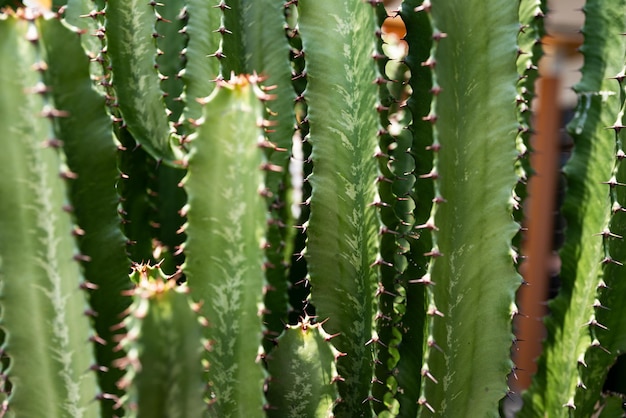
(537, 246)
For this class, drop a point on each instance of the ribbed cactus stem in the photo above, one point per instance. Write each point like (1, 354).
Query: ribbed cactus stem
(43, 320)
(225, 256)
(467, 356)
(91, 153)
(587, 257)
(302, 366)
(164, 344)
(131, 44)
(343, 227)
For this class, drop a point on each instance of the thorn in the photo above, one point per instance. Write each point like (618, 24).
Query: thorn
(426, 372)
(434, 311)
(595, 323)
(425, 279)
(379, 262)
(433, 253)
(437, 36)
(432, 343)
(50, 112)
(88, 286)
(68, 175)
(570, 404)
(434, 147)
(422, 401)
(96, 339)
(431, 175)
(609, 260)
(430, 62)
(82, 257)
(596, 343)
(425, 7)
(613, 182)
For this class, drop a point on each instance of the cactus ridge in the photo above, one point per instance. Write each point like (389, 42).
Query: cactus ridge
(395, 184)
(131, 45)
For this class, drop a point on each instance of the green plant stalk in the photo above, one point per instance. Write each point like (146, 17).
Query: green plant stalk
(531, 16)
(255, 42)
(137, 210)
(170, 197)
(587, 209)
(343, 226)
(164, 345)
(299, 289)
(225, 230)
(467, 360)
(201, 65)
(46, 331)
(130, 32)
(91, 151)
(77, 14)
(303, 373)
(610, 311)
(412, 345)
(170, 44)
(395, 185)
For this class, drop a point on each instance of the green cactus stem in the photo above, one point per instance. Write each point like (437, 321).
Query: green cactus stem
(164, 344)
(46, 331)
(609, 341)
(91, 149)
(201, 65)
(130, 31)
(226, 225)
(254, 41)
(395, 185)
(573, 323)
(467, 359)
(342, 232)
(303, 373)
(170, 44)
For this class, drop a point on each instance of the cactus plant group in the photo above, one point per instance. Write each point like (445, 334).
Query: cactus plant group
(235, 208)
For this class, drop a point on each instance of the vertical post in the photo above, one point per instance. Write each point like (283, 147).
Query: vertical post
(539, 221)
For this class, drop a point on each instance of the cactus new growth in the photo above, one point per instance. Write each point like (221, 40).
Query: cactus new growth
(172, 140)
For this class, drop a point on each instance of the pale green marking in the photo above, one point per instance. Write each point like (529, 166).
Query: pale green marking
(48, 262)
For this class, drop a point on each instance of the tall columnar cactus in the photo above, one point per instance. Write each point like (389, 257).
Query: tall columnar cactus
(159, 136)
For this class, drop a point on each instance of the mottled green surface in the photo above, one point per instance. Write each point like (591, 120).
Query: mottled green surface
(42, 306)
(472, 269)
(226, 225)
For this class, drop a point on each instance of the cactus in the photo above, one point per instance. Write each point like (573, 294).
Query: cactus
(159, 138)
